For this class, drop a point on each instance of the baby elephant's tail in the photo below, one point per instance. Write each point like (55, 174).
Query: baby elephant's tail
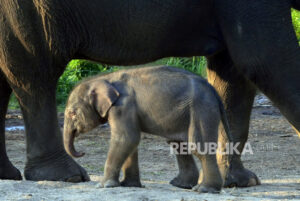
(222, 113)
(229, 137)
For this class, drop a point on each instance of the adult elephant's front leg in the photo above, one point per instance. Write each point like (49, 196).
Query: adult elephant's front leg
(7, 170)
(46, 157)
(237, 95)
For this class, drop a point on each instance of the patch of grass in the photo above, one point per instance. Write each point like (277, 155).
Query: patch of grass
(101, 169)
(194, 64)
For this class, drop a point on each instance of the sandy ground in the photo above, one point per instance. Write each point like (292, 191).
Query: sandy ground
(276, 160)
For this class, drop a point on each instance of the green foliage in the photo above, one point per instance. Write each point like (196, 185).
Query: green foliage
(194, 64)
(296, 22)
(75, 71)
(13, 103)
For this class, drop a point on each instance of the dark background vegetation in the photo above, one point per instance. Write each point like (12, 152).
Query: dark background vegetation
(79, 69)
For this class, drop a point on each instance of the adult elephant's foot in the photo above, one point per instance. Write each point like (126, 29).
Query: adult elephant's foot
(58, 167)
(187, 181)
(241, 177)
(8, 171)
(131, 183)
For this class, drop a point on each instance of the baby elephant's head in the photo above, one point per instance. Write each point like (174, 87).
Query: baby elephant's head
(87, 107)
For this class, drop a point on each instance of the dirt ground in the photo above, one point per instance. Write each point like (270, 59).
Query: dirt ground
(276, 161)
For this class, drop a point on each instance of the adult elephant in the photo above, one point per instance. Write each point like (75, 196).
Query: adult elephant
(249, 45)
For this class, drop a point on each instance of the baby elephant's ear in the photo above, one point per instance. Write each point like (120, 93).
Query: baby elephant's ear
(103, 95)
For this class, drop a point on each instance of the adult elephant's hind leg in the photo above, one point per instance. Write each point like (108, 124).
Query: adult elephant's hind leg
(46, 157)
(274, 67)
(237, 94)
(7, 170)
(188, 172)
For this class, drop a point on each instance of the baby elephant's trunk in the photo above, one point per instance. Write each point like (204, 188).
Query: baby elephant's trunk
(69, 144)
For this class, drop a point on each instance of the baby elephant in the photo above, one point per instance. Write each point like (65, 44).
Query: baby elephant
(165, 101)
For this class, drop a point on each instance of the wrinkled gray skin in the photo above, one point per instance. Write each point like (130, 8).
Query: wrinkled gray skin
(250, 46)
(164, 101)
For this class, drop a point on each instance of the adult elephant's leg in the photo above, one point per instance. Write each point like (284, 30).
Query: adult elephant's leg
(188, 172)
(46, 157)
(237, 94)
(7, 170)
(263, 45)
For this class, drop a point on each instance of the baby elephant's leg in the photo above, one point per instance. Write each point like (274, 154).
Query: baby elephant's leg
(119, 151)
(204, 132)
(188, 171)
(131, 173)
(125, 137)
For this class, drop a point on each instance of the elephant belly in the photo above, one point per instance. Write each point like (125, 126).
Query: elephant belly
(172, 137)
(172, 127)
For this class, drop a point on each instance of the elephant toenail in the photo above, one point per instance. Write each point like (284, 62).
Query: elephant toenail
(252, 182)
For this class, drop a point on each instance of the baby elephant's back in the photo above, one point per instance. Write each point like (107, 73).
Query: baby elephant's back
(168, 93)
(164, 84)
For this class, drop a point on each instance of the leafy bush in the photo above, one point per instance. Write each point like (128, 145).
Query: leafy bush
(75, 71)
(296, 22)
(194, 64)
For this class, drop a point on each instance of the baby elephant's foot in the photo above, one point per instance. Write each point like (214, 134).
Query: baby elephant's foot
(201, 188)
(108, 184)
(132, 183)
